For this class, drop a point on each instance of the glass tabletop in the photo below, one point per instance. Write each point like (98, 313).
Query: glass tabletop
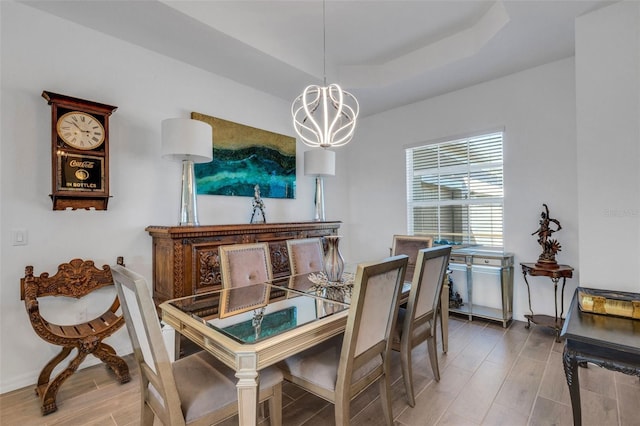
(254, 313)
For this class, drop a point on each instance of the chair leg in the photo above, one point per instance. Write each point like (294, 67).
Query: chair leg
(48, 392)
(432, 348)
(275, 406)
(443, 314)
(342, 407)
(45, 374)
(407, 373)
(118, 365)
(148, 416)
(385, 398)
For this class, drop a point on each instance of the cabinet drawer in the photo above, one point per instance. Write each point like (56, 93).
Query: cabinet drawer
(458, 259)
(487, 261)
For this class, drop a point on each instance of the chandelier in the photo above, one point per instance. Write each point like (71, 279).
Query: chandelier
(325, 116)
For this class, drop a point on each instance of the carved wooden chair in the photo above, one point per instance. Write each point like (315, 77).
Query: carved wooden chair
(74, 279)
(244, 264)
(417, 323)
(341, 368)
(305, 256)
(197, 389)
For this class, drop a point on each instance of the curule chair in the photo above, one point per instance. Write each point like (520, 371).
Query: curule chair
(339, 369)
(195, 390)
(417, 322)
(305, 256)
(244, 264)
(76, 279)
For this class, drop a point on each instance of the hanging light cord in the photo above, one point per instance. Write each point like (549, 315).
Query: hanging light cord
(324, 41)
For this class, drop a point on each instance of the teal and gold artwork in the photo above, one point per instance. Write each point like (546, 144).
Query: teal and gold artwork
(244, 157)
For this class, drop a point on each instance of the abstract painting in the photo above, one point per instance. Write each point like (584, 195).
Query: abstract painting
(244, 157)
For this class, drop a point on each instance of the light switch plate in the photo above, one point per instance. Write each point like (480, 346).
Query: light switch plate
(19, 237)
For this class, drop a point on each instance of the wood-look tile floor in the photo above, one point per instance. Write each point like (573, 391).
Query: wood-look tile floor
(490, 376)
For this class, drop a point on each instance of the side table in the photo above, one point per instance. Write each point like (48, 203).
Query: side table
(562, 271)
(607, 341)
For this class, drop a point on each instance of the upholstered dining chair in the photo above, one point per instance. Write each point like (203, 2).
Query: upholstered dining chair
(339, 369)
(195, 390)
(409, 245)
(244, 264)
(417, 322)
(305, 256)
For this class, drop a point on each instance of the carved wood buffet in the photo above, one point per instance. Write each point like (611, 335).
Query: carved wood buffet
(186, 262)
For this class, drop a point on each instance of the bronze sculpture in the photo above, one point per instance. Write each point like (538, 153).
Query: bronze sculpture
(549, 246)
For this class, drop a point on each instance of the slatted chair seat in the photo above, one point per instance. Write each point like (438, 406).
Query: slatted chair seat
(74, 279)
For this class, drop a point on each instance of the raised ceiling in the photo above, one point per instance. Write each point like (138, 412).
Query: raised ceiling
(387, 53)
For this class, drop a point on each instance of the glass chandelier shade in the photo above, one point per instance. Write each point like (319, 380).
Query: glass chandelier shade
(325, 116)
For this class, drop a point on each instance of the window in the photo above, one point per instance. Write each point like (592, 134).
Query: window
(455, 190)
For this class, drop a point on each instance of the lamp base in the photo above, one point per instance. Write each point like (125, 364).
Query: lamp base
(188, 206)
(319, 200)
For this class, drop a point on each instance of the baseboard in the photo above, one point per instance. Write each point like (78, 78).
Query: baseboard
(29, 379)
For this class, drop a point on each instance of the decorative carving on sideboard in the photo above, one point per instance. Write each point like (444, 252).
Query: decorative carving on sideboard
(185, 258)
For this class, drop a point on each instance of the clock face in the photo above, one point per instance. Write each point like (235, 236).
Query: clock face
(80, 130)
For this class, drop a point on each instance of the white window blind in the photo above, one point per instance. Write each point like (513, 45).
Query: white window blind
(455, 190)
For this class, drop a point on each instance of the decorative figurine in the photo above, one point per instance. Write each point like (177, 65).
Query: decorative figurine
(549, 246)
(258, 206)
(455, 300)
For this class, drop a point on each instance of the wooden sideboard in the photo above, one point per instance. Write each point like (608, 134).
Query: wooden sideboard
(186, 262)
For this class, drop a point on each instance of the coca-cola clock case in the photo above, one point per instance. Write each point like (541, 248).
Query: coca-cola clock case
(79, 152)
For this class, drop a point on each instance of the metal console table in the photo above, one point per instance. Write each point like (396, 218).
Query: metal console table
(470, 259)
(562, 271)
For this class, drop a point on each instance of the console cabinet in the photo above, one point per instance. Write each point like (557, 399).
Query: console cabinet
(496, 266)
(186, 262)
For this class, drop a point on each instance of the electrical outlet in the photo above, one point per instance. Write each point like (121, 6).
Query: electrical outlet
(19, 237)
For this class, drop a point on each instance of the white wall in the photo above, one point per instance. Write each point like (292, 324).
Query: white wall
(608, 126)
(536, 108)
(147, 88)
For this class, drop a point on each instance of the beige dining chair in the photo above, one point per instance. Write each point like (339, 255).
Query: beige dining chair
(244, 264)
(339, 369)
(417, 322)
(305, 256)
(195, 390)
(409, 245)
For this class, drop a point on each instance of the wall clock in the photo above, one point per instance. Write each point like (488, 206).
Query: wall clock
(79, 152)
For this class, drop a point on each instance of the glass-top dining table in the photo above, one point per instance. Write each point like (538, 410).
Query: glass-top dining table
(250, 328)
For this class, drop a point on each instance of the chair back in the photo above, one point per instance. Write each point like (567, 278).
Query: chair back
(245, 264)
(426, 286)
(148, 346)
(372, 314)
(409, 245)
(305, 255)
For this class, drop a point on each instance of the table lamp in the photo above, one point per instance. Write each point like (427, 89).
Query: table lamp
(319, 163)
(189, 141)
